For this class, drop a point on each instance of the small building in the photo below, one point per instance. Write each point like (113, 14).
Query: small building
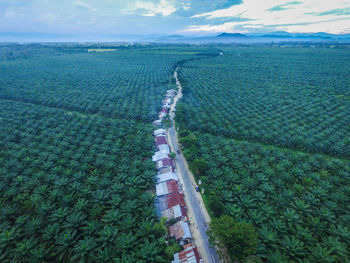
(160, 140)
(166, 177)
(164, 170)
(175, 199)
(176, 212)
(166, 101)
(163, 147)
(165, 109)
(167, 187)
(158, 123)
(170, 93)
(188, 255)
(180, 230)
(159, 155)
(173, 186)
(159, 132)
(162, 189)
(161, 115)
(168, 201)
(165, 162)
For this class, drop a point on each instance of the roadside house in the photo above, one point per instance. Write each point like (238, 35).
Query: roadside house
(163, 147)
(168, 201)
(188, 255)
(165, 162)
(165, 109)
(175, 199)
(167, 187)
(159, 132)
(161, 115)
(170, 93)
(160, 140)
(158, 123)
(166, 177)
(176, 212)
(180, 230)
(164, 170)
(159, 155)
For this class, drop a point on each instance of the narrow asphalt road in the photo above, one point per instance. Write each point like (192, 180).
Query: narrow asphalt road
(194, 203)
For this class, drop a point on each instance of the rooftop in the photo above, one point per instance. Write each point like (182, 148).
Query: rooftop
(163, 147)
(167, 187)
(164, 170)
(160, 155)
(174, 212)
(160, 140)
(166, 177)
(188, 255)
(159, 131)
(175, 199)
(180, 230)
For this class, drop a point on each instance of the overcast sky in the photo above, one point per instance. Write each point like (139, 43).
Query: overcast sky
(114, 17)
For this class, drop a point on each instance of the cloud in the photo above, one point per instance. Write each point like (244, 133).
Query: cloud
(147, 8)
(337, 12)
(283, 6)
(272, 14)
(83, 6)
(225, 27)
(115, 17)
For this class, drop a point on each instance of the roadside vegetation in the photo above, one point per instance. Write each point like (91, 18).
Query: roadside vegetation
(266, 130)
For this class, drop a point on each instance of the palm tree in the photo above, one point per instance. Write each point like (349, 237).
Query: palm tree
(34, 226)
(24, 248)
(106, 254)
(339, 249)
(65, 242)
(50, 232)
(8, 239)
(150, 251)
(277, 257)
(322, 254)
(59, 215)
(293, 247)
(75, 220)
(108, 236)
(39, 254)
(341, 231)
(84, 251)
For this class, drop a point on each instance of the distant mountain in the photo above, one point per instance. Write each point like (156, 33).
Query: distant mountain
(270, 37)
(275, 36)
(176, 36)
(230, 35)
(296, 36)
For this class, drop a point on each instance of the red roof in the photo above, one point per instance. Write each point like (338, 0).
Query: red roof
(175, 199)
(161, 140)
(173, 186)
(183, 211)
(167, 162)
(189, 252)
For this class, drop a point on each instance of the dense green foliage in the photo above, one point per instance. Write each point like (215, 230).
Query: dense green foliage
(125, 84)
(239, 115)
(75, 153)
(73, 187)
(238, 238)
(294, 97)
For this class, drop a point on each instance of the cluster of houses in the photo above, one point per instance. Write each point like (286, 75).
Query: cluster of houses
(170, 202)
